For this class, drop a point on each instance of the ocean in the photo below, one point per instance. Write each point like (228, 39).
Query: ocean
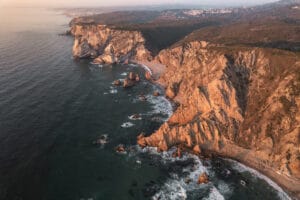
(61, 120)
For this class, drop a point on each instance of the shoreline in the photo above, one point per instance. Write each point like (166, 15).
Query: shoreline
(288, 185)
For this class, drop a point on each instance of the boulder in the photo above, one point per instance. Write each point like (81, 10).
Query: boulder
(98, 61)
(197, 149)
(120, 148)
(117, 83)
(148, 75)
(203, 178)
(128, 83)
(136, 116)
(132, 76)
(156, 93)
(137, 78)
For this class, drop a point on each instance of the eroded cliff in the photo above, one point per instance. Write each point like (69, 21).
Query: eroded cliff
(239, 102)
(108, 45)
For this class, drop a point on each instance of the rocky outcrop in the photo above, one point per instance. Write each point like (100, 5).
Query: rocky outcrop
(237, 102)
(108, 45)
(241, 103)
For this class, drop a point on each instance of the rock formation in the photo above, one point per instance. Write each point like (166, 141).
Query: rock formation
(238, 102)
(241, 103)
(107, 45)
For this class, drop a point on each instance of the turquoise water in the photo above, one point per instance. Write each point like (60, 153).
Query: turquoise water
(53, 109)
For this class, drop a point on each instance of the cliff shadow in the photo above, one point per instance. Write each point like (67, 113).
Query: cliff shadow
(238, 77)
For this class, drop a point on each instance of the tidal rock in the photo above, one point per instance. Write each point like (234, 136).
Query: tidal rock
(142, 97)
(102, 140)
(120, 148)
(128, 83)
(117, 82)
(156, 93)
(177, 153)
(137, 78)
(188, 180)
(203, 178)
(243, 183)
(135, 117)
(148, 75)
(197, 149)
(132, 76)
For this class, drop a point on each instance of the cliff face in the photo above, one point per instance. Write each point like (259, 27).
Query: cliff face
(107, 45)
(240, 103)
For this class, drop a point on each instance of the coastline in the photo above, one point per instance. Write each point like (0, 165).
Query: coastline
(288, 185)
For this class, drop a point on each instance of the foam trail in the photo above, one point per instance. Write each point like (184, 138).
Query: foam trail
(214, 195)
(127, 125)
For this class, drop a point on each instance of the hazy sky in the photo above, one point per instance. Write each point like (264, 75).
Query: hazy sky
(126, 2)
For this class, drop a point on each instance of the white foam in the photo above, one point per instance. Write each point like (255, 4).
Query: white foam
(171, 190)
(176, 187)
(124, 74)
(127, 125)
(133, 65)
(224, 188)
(160, 105)
(113, 91)
(214, 195)
(242, 168)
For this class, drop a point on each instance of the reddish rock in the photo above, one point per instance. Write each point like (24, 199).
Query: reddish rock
(156, 93)
(197, 149)
(177, 153)
(203, 178)
(170, 93)
(137, 78)
(128, 83)
(148, 75)
(132, 76)
(140, 140)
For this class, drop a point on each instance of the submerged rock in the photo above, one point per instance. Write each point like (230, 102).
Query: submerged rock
(120, 148)
(135, 117)
(102, 140)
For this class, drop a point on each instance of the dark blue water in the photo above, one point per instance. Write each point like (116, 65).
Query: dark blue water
(53, 108)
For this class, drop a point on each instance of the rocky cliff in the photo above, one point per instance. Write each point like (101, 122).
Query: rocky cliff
(107, 45)
(237, 102)
(241, 103)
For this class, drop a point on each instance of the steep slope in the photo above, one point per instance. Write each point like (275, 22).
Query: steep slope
(241, 103)
(107, 45)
